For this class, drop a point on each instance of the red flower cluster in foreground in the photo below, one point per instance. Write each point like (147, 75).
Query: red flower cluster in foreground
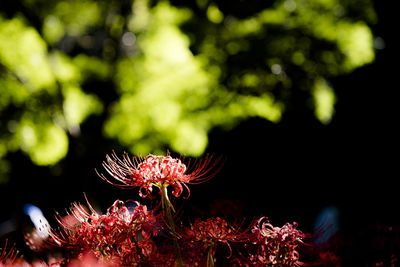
(123, 233)
(130, 234)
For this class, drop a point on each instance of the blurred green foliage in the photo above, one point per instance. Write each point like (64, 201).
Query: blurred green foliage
(178, 68)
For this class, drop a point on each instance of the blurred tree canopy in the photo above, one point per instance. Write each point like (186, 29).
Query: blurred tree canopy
(164, 73)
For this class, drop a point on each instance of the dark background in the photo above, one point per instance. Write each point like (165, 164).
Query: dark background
(287, 171)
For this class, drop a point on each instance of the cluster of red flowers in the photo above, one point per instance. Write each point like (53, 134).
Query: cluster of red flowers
(130, 234)
(204, 236)
(276, 246)
(212, 231)
(122, 233)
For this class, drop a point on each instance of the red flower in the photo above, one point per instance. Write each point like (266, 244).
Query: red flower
(276, 246)
(212, 231)
(123, 232)
(157, 171)
(203, 235)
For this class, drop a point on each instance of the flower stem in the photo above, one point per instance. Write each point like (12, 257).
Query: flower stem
(167, 207)
(210, 260)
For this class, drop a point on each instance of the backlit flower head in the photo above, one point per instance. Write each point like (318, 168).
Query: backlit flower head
(276, 246)
(158, 171)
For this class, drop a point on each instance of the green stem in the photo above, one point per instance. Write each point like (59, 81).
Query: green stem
(167, 207)
(210, 260)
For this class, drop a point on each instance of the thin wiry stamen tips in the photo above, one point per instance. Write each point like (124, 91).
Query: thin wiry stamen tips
(158, 171)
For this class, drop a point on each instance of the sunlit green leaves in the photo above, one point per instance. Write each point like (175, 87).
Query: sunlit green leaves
(43, 91)
(169, 97)
(53, 29)
(12, 91)
(75, 16)
(353, 38)
(44, 142)
(324, 99)
(4, 165)
(178, 72)
(356, 42)
(23, 52)
(152, 109)
(78, 106)
(214, 14)
(64, 69)
(159, 81)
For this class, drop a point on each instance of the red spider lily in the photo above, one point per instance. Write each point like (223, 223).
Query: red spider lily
(123, 232)
(158, 171)
(203, 235)
(276, 246)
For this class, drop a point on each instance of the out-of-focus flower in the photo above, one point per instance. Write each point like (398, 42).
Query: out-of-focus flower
(123, 233)
(329, 259)
(35, 241)
(276, 246)
(202, 237)
(212, 231)
(158, 171)
(90, 260)
(23, 263)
